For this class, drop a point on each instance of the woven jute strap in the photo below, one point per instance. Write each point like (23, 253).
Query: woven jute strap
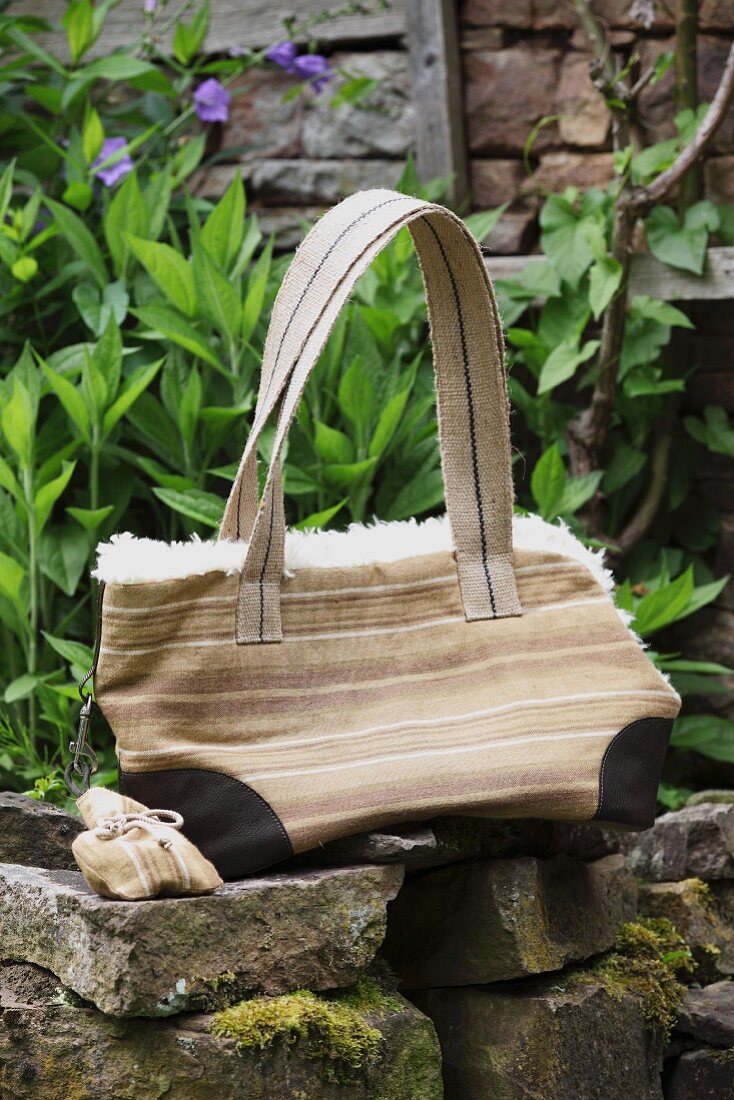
(471, 389)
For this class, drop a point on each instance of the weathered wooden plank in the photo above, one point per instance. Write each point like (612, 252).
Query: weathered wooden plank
(650, 276)
(252, 23)
(435, 63)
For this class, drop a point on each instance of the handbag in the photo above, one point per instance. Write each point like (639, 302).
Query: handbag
(284, 689)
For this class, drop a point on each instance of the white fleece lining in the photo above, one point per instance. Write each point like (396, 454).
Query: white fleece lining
(127, 559)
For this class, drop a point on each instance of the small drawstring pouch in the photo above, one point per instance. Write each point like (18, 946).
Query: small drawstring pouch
(132, 853)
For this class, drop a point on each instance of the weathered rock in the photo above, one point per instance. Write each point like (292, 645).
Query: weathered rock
(695, 842)
(717, 174)
(495, 181)
(585, 118)
(61, 1051)
(502, 919)
(280, 181)
(656, 105)
(700, 797)
(400, 844)
(262, 121)
(692, 908)
(708, 1014)
(383, 125)
(36, 833)
(559, 14)
(539, 1039)
(507, 92)
(288, 226)
(459, 839)
(516, 230)
(703, 1075)
(584, 841)
(558, 170)
(315, 929)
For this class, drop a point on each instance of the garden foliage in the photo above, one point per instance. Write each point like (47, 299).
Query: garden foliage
(133, 315)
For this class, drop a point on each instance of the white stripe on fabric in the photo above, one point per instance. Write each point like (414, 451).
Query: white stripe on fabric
(404, 724)
(456, 751)
(129, 848)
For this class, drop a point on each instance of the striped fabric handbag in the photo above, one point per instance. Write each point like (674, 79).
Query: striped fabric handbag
(281, 689)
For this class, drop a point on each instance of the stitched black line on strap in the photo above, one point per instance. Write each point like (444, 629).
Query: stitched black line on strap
(304, 292)
(472, 421)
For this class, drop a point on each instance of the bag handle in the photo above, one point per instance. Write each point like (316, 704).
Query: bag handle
(472, 397)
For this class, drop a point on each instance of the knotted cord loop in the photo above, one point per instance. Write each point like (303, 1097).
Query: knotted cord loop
(109, 828)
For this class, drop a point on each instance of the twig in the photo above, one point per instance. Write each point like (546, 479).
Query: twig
(641, 522)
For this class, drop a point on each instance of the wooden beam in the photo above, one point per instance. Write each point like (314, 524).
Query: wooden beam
(438, 101)
(251, 23)
(650, 276)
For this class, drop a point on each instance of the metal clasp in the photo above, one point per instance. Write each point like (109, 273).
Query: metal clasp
(84, 762)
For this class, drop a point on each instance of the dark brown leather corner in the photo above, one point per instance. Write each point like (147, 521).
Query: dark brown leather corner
(228, 822)
(630, 773)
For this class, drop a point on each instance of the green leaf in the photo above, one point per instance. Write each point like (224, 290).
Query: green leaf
(562, 362)
(77, 23)
(481, 224)
(256, 287)
(80, 240)
(564, 238)
(168, 270)
(74, 652)
(356, 397)
(63, 555)
(604, 279)
(90, 518)
(195, 503)
(24, 269)
(11, 580)
(421, 493)
(714, 431)
(578, 490)
(707, 734)
(680, 246)
(664, 606)
(115, 66)
(9, 481)
(49, 493)
(387, 423)
(224, 229)
(188, 38)
(319, 519)
(129, 393)
(71, 399)
(332, 445)
(625, 464)
(92, 136)
(548, 482)
(166, 322)
(190, 406)
(662, 312)
(342, 475)
(23, 686)
(18, 422)
(219, 300)
(126, 214)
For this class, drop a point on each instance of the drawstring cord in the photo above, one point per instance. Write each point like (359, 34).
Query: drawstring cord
(149, 820)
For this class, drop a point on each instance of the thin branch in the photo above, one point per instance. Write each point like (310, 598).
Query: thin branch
(642, 520)
(604, 73)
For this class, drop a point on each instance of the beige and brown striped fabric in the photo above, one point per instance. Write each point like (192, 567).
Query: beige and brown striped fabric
(382, 703)
(480, 681)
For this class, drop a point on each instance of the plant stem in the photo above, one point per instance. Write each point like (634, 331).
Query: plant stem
(686, 92)
(32, 650)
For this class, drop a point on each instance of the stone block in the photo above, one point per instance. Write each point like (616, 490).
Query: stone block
(404, 844)
(36, 833)
(695, 842)
(516, 230)
(718, 174)
(521, 14)
(692, 908)
(58, 1050)
(656, 105)
(288, 225)
(585, 118)
(382, 125)
(495, 181)
(261, 122)
(702, 1075)
(544, 1039)
(316, 929)
(558, 170)
(506, 93)
(280, 181)
(502, 919)
(708, 1014)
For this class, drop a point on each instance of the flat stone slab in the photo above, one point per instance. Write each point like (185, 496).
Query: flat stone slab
(708, 1014)
(36, 833)
(501, 919)
(703, 1075)
(695, 842)
(316, 930)
(539, 1039)
(57, 1050)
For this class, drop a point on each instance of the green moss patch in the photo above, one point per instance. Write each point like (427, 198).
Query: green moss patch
(648, 962)
(333, 1029)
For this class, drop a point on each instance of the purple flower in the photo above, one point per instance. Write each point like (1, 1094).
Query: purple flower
(149, 7)
(315, 68)
(211, 101)
(283, 54)
(115, 171)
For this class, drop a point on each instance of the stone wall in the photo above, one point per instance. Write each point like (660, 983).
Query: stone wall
(459, 958)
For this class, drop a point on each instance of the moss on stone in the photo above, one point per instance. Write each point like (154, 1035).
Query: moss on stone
(648, 961)
(333, 1029)
(701, 891)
